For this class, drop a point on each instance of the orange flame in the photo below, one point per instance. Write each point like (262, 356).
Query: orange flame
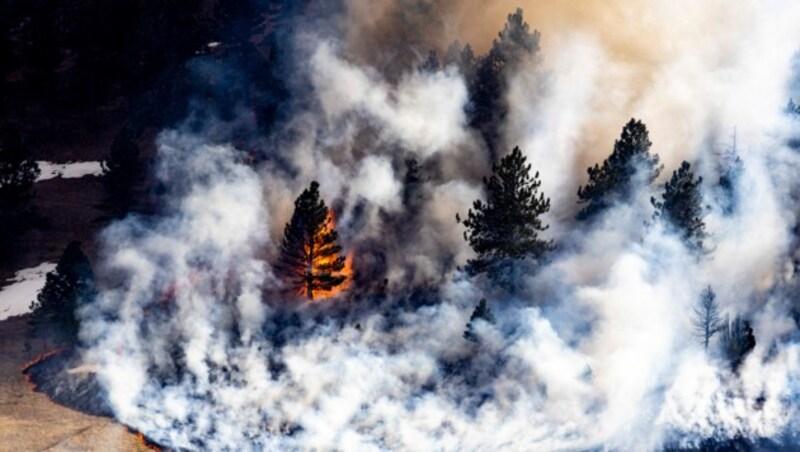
(144, 442)
(347, 270)
(36, 361)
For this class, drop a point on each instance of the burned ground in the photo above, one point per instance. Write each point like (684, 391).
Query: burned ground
(30, 420)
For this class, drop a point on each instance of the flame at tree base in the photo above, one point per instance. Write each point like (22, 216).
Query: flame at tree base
(347, 272)
(326, 261)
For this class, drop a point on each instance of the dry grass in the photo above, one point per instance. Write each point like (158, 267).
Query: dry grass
(30, 421)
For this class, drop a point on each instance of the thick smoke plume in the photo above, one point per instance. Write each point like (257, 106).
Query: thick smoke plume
(199, 348)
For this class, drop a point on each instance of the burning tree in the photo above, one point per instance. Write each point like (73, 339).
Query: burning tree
(614, 181)
(310, 260)
(506, 227)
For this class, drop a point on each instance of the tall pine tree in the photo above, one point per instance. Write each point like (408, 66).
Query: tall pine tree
(66, 288)
(681, 207)
(489, 85)
(506, 227)
(616, 180)
(310, 260)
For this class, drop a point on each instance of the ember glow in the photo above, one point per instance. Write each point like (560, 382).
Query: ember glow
(38, 359)
(146, 443)
(317, 262)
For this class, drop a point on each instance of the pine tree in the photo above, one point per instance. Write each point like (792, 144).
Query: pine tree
(489, 86)
(506, 227)
(737, 340)
(66, 288)
(463, 58)
(310, 260)
(516, 40)
(706, 321)
(18, 172)
(681, 207)
(481, 312)
(616, 180)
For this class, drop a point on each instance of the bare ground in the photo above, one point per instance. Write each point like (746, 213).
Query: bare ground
(29, 421)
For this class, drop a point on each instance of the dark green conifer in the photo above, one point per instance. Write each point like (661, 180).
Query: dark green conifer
(66, 288)
(616, 179)
(489, 85)
(681, 207)
(506, 227)
(310, 260)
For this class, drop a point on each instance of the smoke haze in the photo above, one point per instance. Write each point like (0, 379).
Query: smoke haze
(199, 348)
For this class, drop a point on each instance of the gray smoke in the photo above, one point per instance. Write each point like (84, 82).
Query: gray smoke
(197, 349)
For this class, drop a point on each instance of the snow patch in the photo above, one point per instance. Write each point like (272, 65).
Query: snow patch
(69, 170)
(16, 298)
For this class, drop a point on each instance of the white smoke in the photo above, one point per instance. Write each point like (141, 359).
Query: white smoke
(596, 352)
(424, 111)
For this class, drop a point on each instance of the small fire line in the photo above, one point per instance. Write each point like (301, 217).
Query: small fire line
(143, 440)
